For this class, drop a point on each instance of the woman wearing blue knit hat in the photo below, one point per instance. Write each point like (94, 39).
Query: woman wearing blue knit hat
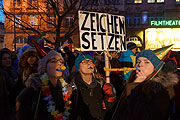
(149, 91)
(90, 100)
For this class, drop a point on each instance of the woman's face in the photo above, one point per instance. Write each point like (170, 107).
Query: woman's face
(6, 60)
(86, 66)
(55, 62)
(31, 60)
(143, 64)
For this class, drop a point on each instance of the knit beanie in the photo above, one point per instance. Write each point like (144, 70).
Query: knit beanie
(131, 45)
(81, 58)
(151, 56)
(44, 60)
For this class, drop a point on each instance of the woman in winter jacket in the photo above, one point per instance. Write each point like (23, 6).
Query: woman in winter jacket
(149, 91)
(48, 95)
(89, 100)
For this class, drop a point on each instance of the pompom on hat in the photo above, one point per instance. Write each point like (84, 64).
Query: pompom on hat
(151, 56)
(80, 58)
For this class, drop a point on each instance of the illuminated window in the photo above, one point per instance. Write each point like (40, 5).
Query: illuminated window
(160, 1)
(177, 0)
(137, 1)
(150, 1)
(128, 20)
(52, 20)
(33, 20)
(68, 20)
(21, 40)
(18, 20)
(144, 17)
(150, 17)
(17, 3)
(32, 2)
(137, 19)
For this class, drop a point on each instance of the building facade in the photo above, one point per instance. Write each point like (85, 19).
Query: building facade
(153, 23)
(24, 11)
(1, 35)
(31, 16)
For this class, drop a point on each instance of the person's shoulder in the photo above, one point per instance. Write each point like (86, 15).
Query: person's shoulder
(26, 94)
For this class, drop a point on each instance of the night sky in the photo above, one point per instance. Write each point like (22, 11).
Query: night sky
(1, 14)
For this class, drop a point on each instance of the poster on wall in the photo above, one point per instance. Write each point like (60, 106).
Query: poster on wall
(101, 31)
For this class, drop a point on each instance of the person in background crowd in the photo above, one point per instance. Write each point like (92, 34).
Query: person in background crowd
(47, 97)
(4, 114)
(28, 64)
(89, 102)
(149, 91)
(11, 78)
(128, 59)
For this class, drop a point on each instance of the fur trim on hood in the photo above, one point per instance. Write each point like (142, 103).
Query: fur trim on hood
(167, 80)
(33, 81)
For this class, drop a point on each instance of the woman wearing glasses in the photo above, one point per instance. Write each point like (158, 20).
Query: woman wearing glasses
(48, 97)
(90, 100)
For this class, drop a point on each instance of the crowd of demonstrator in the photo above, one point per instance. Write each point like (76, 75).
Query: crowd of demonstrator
(66, 85)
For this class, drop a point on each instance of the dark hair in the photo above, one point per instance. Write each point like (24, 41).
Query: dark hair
(2, 52)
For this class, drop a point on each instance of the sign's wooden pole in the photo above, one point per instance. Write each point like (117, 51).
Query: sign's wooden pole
(107, 66)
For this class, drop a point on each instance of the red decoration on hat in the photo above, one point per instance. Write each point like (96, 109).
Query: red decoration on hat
(42, 51)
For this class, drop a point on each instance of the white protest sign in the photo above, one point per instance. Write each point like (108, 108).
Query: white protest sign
(101, 31)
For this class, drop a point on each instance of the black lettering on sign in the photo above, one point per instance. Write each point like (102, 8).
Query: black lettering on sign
(93, 40)
(121, 26)
(92, 15)
(116, 42)
(102, 40)
(123, 42)
(85, 40)
(101, 17)
(85, 20)
(115, 24)
(97, 21)
(110, 41)
(110, 24)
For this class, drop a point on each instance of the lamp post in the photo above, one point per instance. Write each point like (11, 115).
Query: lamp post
(14, 26)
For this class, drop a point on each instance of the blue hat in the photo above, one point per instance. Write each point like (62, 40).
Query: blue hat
(131, 45)
(151, 56)
(81, 58)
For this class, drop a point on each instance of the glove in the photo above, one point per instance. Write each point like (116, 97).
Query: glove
(109, 92)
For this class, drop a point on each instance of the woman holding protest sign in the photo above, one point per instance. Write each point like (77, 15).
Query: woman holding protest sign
(90, 98)
(149, 91)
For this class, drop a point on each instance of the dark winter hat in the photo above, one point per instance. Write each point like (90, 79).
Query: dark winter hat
(151, 56)
(81, 58)
(131, 45)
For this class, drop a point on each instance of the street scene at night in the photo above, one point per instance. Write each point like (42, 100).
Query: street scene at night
(89, 59)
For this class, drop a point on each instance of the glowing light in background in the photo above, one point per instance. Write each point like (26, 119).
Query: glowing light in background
(160, 37)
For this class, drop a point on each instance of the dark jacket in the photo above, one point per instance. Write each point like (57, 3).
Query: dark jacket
(149, 100)
(87, 100)
(3, 97)
(32, 101)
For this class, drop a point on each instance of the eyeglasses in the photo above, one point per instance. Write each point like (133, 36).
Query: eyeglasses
(53, 60)
(87, 62)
